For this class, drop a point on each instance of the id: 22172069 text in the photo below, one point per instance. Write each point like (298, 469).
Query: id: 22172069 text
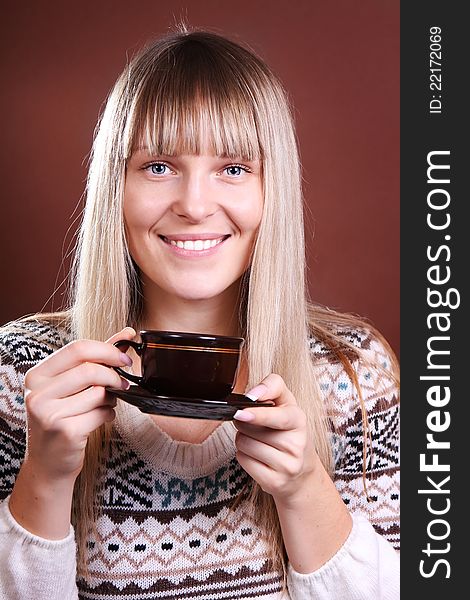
(435, 70)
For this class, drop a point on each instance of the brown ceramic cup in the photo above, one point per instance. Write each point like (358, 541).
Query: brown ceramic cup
(185, 365)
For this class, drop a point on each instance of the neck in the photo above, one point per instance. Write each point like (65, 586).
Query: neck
(218, 315)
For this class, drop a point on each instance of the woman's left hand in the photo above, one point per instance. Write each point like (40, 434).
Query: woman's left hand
(273, 444)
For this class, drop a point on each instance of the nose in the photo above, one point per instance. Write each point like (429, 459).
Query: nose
(195, 200)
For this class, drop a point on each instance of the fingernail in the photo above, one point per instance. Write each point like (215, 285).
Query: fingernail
(126, 359)
(243, 415)
(125, 385)
(257, 392)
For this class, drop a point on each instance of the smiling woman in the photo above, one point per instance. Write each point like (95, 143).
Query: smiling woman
(193, 223)
(192, 218)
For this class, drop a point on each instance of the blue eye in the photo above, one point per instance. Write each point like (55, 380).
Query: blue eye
(158, 168)
(235, 170)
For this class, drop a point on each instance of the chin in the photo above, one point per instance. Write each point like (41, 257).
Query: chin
(196, 288)
(195, 295)
(202, 290)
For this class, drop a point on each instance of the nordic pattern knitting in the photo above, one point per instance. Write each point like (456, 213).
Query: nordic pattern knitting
(170, 533)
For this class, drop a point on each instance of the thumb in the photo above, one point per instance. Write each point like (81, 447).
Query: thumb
(128, 333)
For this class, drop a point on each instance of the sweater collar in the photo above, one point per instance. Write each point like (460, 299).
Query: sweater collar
(178, 458)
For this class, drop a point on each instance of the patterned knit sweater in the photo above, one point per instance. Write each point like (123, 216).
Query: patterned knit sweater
(168, 528)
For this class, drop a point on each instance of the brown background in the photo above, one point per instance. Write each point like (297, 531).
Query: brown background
(339, 60)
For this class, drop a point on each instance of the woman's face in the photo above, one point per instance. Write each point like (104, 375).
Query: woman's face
(191, 221)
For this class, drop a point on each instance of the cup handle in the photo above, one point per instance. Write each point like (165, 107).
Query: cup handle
(138, 348)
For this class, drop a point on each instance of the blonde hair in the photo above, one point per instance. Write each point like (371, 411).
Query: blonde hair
(171, 91)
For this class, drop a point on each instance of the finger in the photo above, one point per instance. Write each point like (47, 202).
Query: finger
(274, 388)
(78, 404)
(272, 457)
(77, 379)
(128, 333)
(259, 471)
(276, 438)
(83, 425)
(285, 417)
(76, 353)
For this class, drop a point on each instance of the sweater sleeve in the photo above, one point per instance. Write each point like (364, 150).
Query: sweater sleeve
(367, 565)
(30, 567)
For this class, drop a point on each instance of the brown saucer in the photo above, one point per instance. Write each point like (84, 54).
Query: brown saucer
(191, 408)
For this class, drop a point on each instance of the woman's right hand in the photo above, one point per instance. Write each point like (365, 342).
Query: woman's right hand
(66, 400)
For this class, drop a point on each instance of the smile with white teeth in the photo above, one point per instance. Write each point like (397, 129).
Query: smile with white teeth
(195, 244)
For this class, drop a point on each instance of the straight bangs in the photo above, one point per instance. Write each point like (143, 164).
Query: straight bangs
(190, 97)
